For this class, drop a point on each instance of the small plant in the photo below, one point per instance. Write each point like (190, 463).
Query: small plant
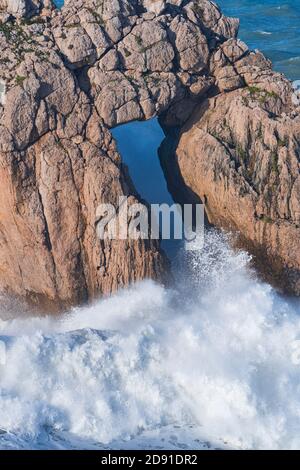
(253, 90)
(271, 94)
(72, 25)
(261, 95)
(283, 143)
(245, 101)
(43, 55)
(32, 21)
(274, 163)
(19, 80)
(139, 40)
(127, 52)
(266, 219)
(242, 154)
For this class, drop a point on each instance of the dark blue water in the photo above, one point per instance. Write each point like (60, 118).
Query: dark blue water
(138, 143)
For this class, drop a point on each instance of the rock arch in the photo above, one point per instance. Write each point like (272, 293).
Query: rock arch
(71, 75)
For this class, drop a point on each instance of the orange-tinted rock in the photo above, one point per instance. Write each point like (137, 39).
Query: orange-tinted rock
(243, 162)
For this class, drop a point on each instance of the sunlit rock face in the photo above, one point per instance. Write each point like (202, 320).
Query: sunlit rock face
(14, 7)
(23, 8)
(155, 6)
(244, 163)
(142, 58)
(72, 74)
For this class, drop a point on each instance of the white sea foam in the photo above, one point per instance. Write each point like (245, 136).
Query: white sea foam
(296, 94)
(213, 360)
(264, 33)
(296, 84)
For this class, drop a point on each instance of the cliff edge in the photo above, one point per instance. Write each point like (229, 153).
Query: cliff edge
(68, 76)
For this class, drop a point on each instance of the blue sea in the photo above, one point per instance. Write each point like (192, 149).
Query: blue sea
(210, 362)
(272, 26)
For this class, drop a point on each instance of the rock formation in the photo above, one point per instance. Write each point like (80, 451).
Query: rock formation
(239, 152)
(68, 76)
(23, 8)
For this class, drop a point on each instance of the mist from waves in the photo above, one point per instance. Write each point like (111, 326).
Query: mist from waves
(210, 361)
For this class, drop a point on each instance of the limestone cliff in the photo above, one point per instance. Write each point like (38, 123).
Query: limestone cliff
(68, 76)
(239, 153)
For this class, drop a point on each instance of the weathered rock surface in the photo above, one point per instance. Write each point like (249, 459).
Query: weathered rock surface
(24, 8)
(240, 154)
(68, 76)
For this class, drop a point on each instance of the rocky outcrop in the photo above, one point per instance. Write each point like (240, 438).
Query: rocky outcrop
(23, 8)
(58, 162)
(239, 153)
(140, 59)
(68, 76)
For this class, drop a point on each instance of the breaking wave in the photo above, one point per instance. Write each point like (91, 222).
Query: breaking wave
(210, 363)
(213, 362)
